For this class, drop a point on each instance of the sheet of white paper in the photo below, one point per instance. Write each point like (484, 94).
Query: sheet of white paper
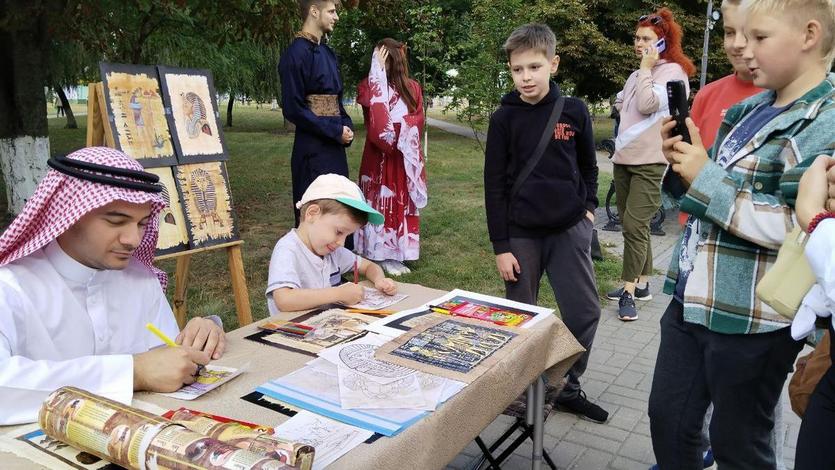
(211, 377)
(330, 438)
(432, 387)
(372, 299)
(435, 389)
(324, 386)
(358, 356)
(356, 391)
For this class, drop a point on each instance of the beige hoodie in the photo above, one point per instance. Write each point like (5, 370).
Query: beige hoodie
(642, 104)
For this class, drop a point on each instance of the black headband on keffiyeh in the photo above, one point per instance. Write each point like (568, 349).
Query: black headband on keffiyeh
(121, 177)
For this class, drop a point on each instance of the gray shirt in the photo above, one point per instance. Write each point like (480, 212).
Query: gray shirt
(293, 265)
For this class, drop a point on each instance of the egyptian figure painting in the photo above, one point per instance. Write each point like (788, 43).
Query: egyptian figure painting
(460, 349)
(173, 235)
(204, 191)
(194, 123)
(136, 113)
(454, 345)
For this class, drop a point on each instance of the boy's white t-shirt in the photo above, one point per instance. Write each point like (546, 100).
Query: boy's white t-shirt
(293, 265)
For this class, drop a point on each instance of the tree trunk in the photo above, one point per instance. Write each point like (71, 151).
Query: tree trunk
(71, 124)
(229, 109)
(24, 145)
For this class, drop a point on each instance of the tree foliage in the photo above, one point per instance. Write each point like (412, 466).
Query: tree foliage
(238, 40)
(594, 42)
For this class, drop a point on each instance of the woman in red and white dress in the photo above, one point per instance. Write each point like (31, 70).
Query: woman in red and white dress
(392, 173)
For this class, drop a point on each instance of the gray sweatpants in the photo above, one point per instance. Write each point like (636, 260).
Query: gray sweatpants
(566, 258)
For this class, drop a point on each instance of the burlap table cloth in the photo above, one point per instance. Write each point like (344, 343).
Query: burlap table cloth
(431, 442)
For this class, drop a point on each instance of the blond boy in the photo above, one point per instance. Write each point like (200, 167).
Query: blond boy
(718, 342)
(307, 263)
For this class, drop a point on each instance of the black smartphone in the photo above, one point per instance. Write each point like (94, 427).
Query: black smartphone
(677, 99)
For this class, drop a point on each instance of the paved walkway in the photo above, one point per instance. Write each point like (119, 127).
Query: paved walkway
(603, 161)
(618, 377)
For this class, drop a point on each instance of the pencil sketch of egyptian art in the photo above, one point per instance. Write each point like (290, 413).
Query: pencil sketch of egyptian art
(172, 222)
(359, 392)
(197, 134)
(360, 358)
(136, 113)
(204, 190)
(454, 345)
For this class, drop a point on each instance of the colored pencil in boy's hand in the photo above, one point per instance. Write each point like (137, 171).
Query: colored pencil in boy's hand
(356, 271)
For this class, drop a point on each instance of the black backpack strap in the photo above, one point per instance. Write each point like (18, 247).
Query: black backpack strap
(540, 148)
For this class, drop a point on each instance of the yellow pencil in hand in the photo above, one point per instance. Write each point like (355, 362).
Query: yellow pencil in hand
(165, 339)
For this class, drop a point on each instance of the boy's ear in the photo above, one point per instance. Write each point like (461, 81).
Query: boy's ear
(812, 34)
(555, 64)
(313, 210)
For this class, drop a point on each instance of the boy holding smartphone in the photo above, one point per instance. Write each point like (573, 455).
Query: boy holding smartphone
(719, 343)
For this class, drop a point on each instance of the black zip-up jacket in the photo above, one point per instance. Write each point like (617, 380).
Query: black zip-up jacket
(563, 185)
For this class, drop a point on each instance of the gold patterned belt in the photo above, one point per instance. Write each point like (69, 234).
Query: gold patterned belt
(323, 105)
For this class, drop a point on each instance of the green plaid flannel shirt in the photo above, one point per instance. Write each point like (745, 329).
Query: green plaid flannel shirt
(746, 211)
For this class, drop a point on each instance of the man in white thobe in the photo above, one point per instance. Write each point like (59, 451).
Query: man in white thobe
(78, 285)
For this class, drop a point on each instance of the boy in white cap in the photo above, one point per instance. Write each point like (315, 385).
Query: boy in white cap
(308, 262)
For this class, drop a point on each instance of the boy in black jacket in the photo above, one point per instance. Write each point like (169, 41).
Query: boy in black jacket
(546, 226)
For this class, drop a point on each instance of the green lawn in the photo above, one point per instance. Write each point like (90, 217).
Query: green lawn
(455, 250)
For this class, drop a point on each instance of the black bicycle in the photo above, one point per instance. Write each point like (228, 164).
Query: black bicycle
(614, 224)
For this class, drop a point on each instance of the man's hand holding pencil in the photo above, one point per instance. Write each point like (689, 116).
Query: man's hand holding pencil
(167, 369)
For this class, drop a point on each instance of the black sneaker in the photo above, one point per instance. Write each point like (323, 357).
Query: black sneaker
(581, 406)
(626, 308)
(640, 294)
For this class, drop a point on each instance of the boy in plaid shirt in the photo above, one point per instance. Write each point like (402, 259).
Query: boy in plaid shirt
(719, 343)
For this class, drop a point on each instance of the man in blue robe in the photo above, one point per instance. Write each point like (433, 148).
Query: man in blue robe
(311, 93)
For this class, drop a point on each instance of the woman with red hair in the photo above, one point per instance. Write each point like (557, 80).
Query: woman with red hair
(639, 164)
(392, 173)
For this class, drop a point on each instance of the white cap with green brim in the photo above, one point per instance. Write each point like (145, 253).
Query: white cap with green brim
(340, 188)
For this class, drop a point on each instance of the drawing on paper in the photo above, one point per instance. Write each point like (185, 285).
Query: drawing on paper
(210, 378)
(357, 391)
(204, 191)
(195, 127)
(194, 111)
(136, 113)
(454, 345)
(376, 390)
(173, 235)
(330, 328)
(360, 358)
(373, 299)
(330, 438)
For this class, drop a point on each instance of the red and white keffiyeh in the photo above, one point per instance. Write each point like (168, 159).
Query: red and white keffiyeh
(61, 200)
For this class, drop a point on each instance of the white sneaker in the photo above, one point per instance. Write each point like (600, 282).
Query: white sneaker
(394, 268)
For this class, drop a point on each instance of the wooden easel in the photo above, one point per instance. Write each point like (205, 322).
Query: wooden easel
(99, 134)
